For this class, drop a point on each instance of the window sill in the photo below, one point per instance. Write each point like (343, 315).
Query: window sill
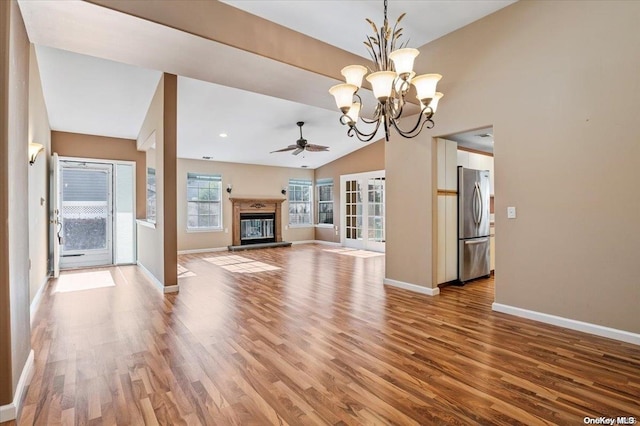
(200, 230)
(309, 225)
(146, 223)
(324, 225)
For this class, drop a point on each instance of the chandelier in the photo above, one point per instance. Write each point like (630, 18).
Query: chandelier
(391, 80)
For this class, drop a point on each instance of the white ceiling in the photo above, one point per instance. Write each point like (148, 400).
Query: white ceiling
(342, 23)
(478, 140)
(105, 86)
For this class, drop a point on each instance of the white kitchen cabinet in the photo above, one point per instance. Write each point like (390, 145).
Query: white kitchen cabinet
(451, 238)
(492, 248)
(471, 160)
(447, 174)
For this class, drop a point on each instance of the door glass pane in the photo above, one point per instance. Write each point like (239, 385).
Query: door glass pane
(124, 220)
(85, 209)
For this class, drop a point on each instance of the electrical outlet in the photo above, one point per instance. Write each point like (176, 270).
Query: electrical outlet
(511, 212)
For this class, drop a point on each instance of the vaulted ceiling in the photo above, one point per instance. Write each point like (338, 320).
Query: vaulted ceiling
(100, 67)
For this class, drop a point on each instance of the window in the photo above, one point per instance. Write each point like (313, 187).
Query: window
(325, 201)
(204, 205)
(151, 194)
(300, 202)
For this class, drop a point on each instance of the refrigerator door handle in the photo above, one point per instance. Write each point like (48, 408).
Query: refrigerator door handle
(481, 241)
(480, 203)
(476, 204)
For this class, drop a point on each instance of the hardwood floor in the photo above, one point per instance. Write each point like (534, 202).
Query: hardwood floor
(317, 340)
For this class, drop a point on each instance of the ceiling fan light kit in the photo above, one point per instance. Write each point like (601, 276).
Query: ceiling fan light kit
(302, 144)
(390, 82)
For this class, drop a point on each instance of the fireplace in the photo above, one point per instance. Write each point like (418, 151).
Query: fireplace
(257, 228)
(256, 221)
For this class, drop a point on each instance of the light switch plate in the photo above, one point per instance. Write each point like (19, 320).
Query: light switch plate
(511, 212)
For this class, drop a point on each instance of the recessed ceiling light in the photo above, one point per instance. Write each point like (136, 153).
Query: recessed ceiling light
(485, 135)
(304, 167)
(206, 157)
(223, 135)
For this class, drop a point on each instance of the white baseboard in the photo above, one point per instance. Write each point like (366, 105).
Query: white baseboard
(585, 327)
(10, 411)
(327, 243)
(412, 287)
(35, 303)
(204, 250)
(163, 288)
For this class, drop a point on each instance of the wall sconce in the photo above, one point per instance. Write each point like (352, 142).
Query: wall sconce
(34, 150)
(284, 191)
(229, 188)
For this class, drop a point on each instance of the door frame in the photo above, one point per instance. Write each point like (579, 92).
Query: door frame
(56, 201)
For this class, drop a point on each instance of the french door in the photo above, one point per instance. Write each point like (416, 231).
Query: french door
(362, 207)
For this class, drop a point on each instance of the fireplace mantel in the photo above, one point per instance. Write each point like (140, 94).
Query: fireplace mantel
(256, 205)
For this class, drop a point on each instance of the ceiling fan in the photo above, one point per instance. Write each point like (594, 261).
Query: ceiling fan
(302, 145)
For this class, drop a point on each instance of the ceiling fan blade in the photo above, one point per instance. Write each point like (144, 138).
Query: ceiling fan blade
(316, 148)
(297, 151)
(289, 148)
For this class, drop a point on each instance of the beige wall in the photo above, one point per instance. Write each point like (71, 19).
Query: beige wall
(105, 148)
(367, 159)
(39, 132)
(247, 181)
(15, 333)
(157, 245)
(559, 82)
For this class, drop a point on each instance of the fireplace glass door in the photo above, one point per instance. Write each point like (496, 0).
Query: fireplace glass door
(257, 228)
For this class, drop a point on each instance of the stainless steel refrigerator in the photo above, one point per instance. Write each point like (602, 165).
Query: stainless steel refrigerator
(473, 224)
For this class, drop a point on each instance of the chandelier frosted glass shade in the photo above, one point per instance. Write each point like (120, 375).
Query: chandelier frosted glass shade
(343, 94)
(390, 79)
(403, 60)
(426, 86)
(353, 74)
(382, 84)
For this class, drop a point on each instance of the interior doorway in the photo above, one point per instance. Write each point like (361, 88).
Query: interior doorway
(93, 214)
(363, 210)
(471, 150)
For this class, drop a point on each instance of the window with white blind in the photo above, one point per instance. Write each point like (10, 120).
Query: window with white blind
(325, 201)
(300, 199)
(204, 202)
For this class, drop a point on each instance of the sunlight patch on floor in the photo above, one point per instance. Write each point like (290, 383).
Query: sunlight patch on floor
(184, 272)
(355, 252)
(84, 281)
(240, 264)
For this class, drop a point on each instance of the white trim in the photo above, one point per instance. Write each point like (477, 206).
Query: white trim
(329, 243)
(171, 289)
(585, 327)
(35, 303)
(163, 288)
(10, 411)
(203, 250)
(197, 230)
(324, 225)
(146, 223)
(412, 287)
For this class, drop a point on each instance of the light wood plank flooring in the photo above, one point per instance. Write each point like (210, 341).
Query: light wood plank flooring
(303, 335)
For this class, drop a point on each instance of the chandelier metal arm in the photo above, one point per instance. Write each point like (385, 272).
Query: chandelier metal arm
(424, 120)
(364, 137)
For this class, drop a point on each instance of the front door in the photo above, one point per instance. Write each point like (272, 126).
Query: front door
(363, 198)
(85, 214)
